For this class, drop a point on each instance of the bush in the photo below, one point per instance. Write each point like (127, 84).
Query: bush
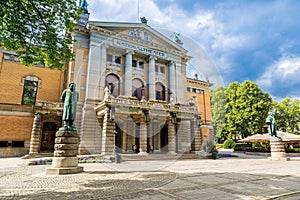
(294, 150)
(229, 144)
(262, 150)
(241, 146)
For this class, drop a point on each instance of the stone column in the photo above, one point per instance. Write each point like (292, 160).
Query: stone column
(172, 79)
(128, 73)
(171, 138)
(35, 135)
(103, 60)
(143, 138)
(108, 142)
(65, 159)
(151, 77)
(124, 136)
(180, 86)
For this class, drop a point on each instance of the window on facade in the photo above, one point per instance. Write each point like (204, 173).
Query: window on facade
(141, 65)
(29, 92)
(109, 58)
(156, 68)
(3, 143)
(160, 91)
(11, 57)
(137, 88)
(113, 83)
(17, 144)
(162, 70)
(118, 60)
(134, 63)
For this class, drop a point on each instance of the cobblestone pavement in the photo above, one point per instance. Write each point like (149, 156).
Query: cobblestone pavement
(228, 178)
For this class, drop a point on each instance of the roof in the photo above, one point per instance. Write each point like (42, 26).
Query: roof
(286, 137)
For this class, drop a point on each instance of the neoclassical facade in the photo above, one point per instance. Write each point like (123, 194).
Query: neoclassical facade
(134, 96)
(132, 84)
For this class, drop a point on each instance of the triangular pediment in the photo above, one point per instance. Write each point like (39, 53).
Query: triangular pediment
(140, 32)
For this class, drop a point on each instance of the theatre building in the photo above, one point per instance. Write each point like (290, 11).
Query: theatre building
(133, 94)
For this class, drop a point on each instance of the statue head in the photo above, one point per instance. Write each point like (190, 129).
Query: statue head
(72, 86)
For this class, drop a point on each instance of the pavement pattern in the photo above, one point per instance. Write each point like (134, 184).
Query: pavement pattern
(226, 178)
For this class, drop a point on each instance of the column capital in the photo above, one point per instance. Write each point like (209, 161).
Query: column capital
(172, 63)
(152, 58)
(105, 45)
(128, 51)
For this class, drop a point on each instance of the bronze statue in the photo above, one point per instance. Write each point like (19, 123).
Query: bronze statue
(272, 124)
(69, 97)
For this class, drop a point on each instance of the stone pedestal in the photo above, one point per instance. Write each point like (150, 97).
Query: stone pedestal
(65, 159)
(277, 149)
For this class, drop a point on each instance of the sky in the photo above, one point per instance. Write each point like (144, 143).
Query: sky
(230, 40)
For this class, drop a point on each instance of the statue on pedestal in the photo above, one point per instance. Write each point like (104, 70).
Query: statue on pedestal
(70, 98)
(272, 125)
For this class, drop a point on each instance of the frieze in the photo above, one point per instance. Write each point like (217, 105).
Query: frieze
(139, 48)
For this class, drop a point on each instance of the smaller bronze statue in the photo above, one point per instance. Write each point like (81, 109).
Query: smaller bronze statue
(272, 124)
(69, 97)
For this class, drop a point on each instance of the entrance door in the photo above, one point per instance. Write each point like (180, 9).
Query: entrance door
(137, 138)
(48, 136)
(164, 138)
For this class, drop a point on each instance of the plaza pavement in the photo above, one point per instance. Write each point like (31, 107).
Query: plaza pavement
(243, 177)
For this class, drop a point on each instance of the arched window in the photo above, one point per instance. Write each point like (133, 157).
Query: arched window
(137, 88)
(160, 91)
(113, 83)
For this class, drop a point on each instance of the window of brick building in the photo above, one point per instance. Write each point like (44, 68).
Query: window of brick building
(29, 92)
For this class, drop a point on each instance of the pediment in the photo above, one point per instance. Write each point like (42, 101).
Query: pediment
(139, 32)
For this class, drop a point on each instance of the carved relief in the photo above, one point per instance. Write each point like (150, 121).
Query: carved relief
(140, 34)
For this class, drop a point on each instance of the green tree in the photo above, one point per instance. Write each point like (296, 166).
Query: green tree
(287, 114)
(218, 102)
(246, 108)
(37, 30)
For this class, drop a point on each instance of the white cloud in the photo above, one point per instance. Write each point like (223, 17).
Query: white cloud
(284, 73)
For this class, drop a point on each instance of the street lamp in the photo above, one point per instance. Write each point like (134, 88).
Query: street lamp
(199, 120)
(173, 118)
(146, 116)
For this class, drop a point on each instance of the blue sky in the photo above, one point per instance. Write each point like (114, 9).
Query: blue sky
(232, 40)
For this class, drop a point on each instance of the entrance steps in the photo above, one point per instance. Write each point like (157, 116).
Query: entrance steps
(157, 156)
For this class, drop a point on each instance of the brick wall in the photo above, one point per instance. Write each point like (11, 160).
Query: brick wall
(14, 128)
(11, 74)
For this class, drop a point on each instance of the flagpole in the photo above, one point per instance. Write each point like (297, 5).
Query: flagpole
(138, 9)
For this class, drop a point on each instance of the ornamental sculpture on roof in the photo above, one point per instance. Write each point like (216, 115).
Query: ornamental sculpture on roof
(83, 5)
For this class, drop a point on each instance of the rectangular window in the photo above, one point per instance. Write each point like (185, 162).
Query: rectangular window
(118, 59)
(109, 58)
(17, 144)
(29, 92)
(134, 63)
(141, 65)
(3, 143)
(156, 68)
(162, 70)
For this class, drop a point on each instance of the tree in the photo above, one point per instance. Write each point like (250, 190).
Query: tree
(288, 114)
(36, 30)
(246, 109)
(218, 102)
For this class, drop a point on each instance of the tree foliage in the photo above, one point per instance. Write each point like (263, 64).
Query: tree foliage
(37, 30)
(246, 109)
(218, 102)
(287, 115)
